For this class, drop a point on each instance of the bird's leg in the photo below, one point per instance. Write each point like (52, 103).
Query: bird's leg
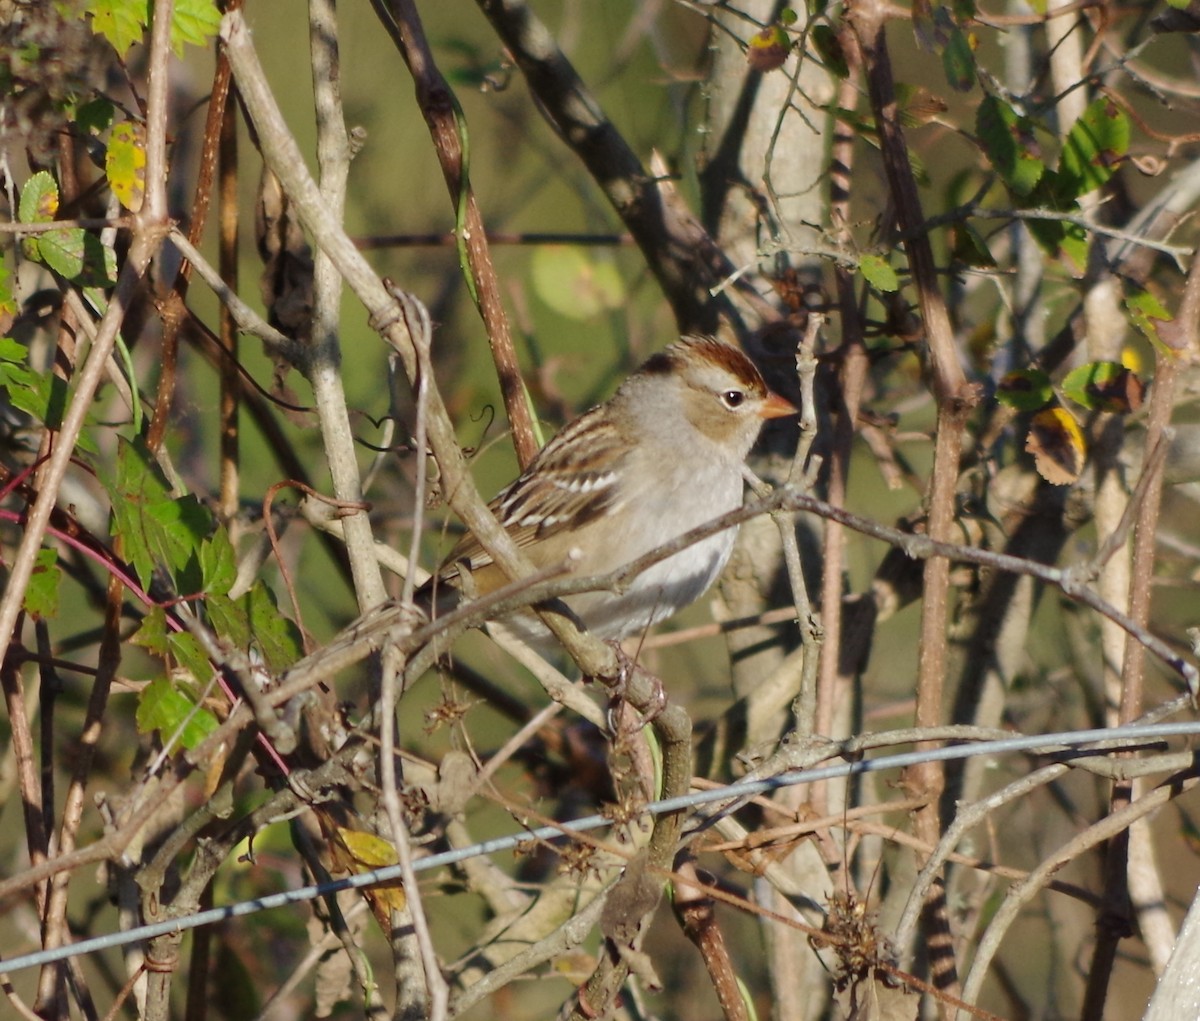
(647, 698)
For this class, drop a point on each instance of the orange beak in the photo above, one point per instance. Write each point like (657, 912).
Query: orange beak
(776, 407)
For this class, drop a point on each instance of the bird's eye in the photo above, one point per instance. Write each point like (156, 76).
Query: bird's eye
(733, 398)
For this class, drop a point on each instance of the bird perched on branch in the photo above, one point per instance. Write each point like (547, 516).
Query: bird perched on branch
(660, 457)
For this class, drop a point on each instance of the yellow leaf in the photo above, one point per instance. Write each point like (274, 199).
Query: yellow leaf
(358, 851)
(1133, 358)
(125, 164)
(1057, 445)
(768, 49)
(367, 850)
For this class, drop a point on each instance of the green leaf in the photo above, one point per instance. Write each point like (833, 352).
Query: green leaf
(75, 255)
(916, 105)
(157, 529)
(1008, 141)
(94, 117)
(62, 251)
(918, 168)
(969, 247)
(195, 22)
(1104, 386)
(12, 350)
(218, 563)
(99, 266)
(124, 22)
(878, 273)
(41, 596)
(174, 647)
(151, 635)
(8, 304)
(829, 48)
(121, 22)
(137, 484)
(254, 622)
(1146, 313)
(42, 395)
(39, 199)
(186, 651)
(1093, 149)
(1062, 239)
(164, 708)
(958, 61)
(175, 530)
(1025, 390)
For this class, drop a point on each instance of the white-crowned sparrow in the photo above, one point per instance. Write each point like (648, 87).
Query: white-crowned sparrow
(661, 456)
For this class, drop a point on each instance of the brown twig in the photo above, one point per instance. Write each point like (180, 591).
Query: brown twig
(37, 839)
(87, 223)
(444, 117)
(677, 249)
(230, 379)
(494, 237)
(836, 673)
(1073, 850)
(954, 401)
(697, 916)
(1114, 922)
(55, 931)
(174, 309)
(434, 982)
(811, 632)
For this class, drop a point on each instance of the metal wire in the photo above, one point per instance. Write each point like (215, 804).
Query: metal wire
(736, 791)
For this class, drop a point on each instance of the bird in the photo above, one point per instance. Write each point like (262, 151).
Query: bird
(663, 455)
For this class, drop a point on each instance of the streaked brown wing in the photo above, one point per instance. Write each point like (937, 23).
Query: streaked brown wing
(572, 479)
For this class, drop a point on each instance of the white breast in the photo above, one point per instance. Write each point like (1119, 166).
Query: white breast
(677, 501)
